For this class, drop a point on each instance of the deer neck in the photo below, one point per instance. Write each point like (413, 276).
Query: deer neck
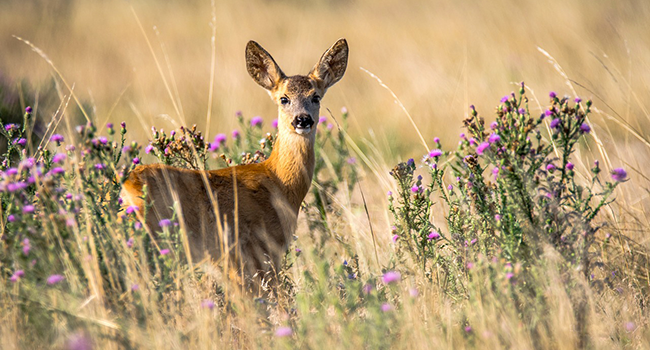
(292, 161)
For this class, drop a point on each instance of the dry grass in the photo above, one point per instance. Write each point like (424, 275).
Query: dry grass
(438, 58)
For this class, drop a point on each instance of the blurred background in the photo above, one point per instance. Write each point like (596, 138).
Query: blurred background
(437, 56)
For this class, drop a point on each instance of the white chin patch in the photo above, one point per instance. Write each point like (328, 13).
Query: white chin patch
(303, 131)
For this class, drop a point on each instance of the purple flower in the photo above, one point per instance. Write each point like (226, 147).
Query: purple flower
(164, 223)
(462, 135)
(367, 288)
(569, 166)
(109, 125)
(391, 277)
(11, 218)
(130, 242)
(585, 128)
(550, 167)
(619, 174)
(282, 332)
(433, 235)
(10, 127)
(552, 94)
(436, 139)
(21, 141)
(54, 279)
(322, 119)
(103, 140)
(450, 187)
(468, 329)
(56, 138)
(220, 139)
(413, 292)
(28, 209)
(578, 100)
(59, 157)
(385, 307)
(415, 189)
(235, 134)
(395, 238)
(509, 275)
(494, 125)
(344, 110)
(275, 124)
(482, 147)
(100, 166)
(123, 125)
(522, 111)
(352, 160)
(132, 209)
(555, 123)
(207, 304)
(57, 170)
(470, 265)
(547, 113)
(504, 99)
(148, 149)
(136, 160)
(256, 121)
(135, 287)
(164, 252)
(435, 153)
(494, 138)
(28, 109)
(17, 275)
(497, 217)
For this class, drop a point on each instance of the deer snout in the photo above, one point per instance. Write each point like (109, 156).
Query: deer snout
(303, 123)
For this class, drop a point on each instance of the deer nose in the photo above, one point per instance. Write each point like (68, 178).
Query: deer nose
(303, 122)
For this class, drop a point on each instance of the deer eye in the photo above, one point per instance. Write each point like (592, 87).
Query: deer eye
(284, 100)
(315, 99)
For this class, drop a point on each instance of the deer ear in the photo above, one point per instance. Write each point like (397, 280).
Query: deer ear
(261, 66)
(332, 64)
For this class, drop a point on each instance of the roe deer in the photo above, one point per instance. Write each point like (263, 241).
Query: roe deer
(258, 203)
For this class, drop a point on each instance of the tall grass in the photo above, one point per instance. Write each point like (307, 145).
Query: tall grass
(529, 231)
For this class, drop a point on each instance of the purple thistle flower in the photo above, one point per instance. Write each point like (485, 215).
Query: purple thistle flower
(21, 141)
(28, 209)
(213, 146)
(275, 124)
(100, 166)
(54, 279)
(494, 138)
(207, 304)
(391, 277)
(282, 332)
(395, 238)
(57, 170)
(11, 218)
(109, 125)
(462, 135)
(9, 127)
(164, 252)
(220, 139)
(385, 307)
(509, 275)
(148, 149)
(619, 174)
(450, 187)
(164, 223)
(28, 109)
(482, 147)
(103, 140)
(256, 121)
(504, 99)
(555, 123)
(59, 157)
(235, 134)
(468, 329)
(415, 189)
(435, 153)
(494, 125)
(367, 288)
(585, 128)
(56, 138)
(352, 160)
(123, 125)
(522, 111)
(569, 166)
(132, 209)
(322, 119)
(136, 160)
(433, 235)
(17, 276)
(497, 217)
(550, 167)
(130, 242)
(578, 100)
(470, 265)
(135, 287)
(552, 94)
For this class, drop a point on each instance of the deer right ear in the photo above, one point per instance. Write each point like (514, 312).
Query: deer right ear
(261, 66)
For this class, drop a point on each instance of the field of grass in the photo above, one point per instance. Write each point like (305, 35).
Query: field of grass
(529, 230)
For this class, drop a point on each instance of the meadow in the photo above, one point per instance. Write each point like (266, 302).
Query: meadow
(480, 181)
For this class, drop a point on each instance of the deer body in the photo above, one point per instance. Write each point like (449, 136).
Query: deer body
(258, 204)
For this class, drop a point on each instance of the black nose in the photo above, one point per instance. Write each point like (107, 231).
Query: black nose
(302, 121)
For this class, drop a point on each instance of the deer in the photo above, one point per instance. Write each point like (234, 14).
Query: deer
(246, 215)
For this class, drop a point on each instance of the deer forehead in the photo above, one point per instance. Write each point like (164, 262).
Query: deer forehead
(296, 86)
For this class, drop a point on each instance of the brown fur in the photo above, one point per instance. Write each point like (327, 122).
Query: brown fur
(258, 204)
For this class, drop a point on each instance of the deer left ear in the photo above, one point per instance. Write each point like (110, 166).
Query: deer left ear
(332, 65)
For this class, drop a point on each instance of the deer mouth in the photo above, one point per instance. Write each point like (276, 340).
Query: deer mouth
(302, 124)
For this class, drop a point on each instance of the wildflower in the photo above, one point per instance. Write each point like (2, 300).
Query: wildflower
(494, 138)
(322, 119)
(494, 125)
(555, 123)
(21, 141)
(136, 160)
(462, 135)
(54, 279)
(578, 100)
(391, 277)
(274, 123)
(385, 307)
(220, 139)
(497, 217)
(235, 134)
(367, 288)
(135, 287)
(11, 218)
(132, 209)
(164, 223)
(504, 99)
(395, 238)
(473, 241)
(17, 276)
(415, 189)
(436, 139)
(344, 110)
(630, 326)
(619, 174)
(137, 225)
(256, 121)
(450, 187)
(148, 149)
(550, 167)
(352, 160)
(282, 332)
(569, 166)
(482, 147)
(522, 111)
(470, 265)
(413, 292)
(28, 209)
(59, 157)
(130, 242)
(298, 250)
(28, 109)
(56, 138)
(468, 329)
(435, 153)
(389, 193)
(207, 304)
(552, 94)
(433, 235)
(57, 170)
(585, 128)
(164, 252)
(509, 276)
